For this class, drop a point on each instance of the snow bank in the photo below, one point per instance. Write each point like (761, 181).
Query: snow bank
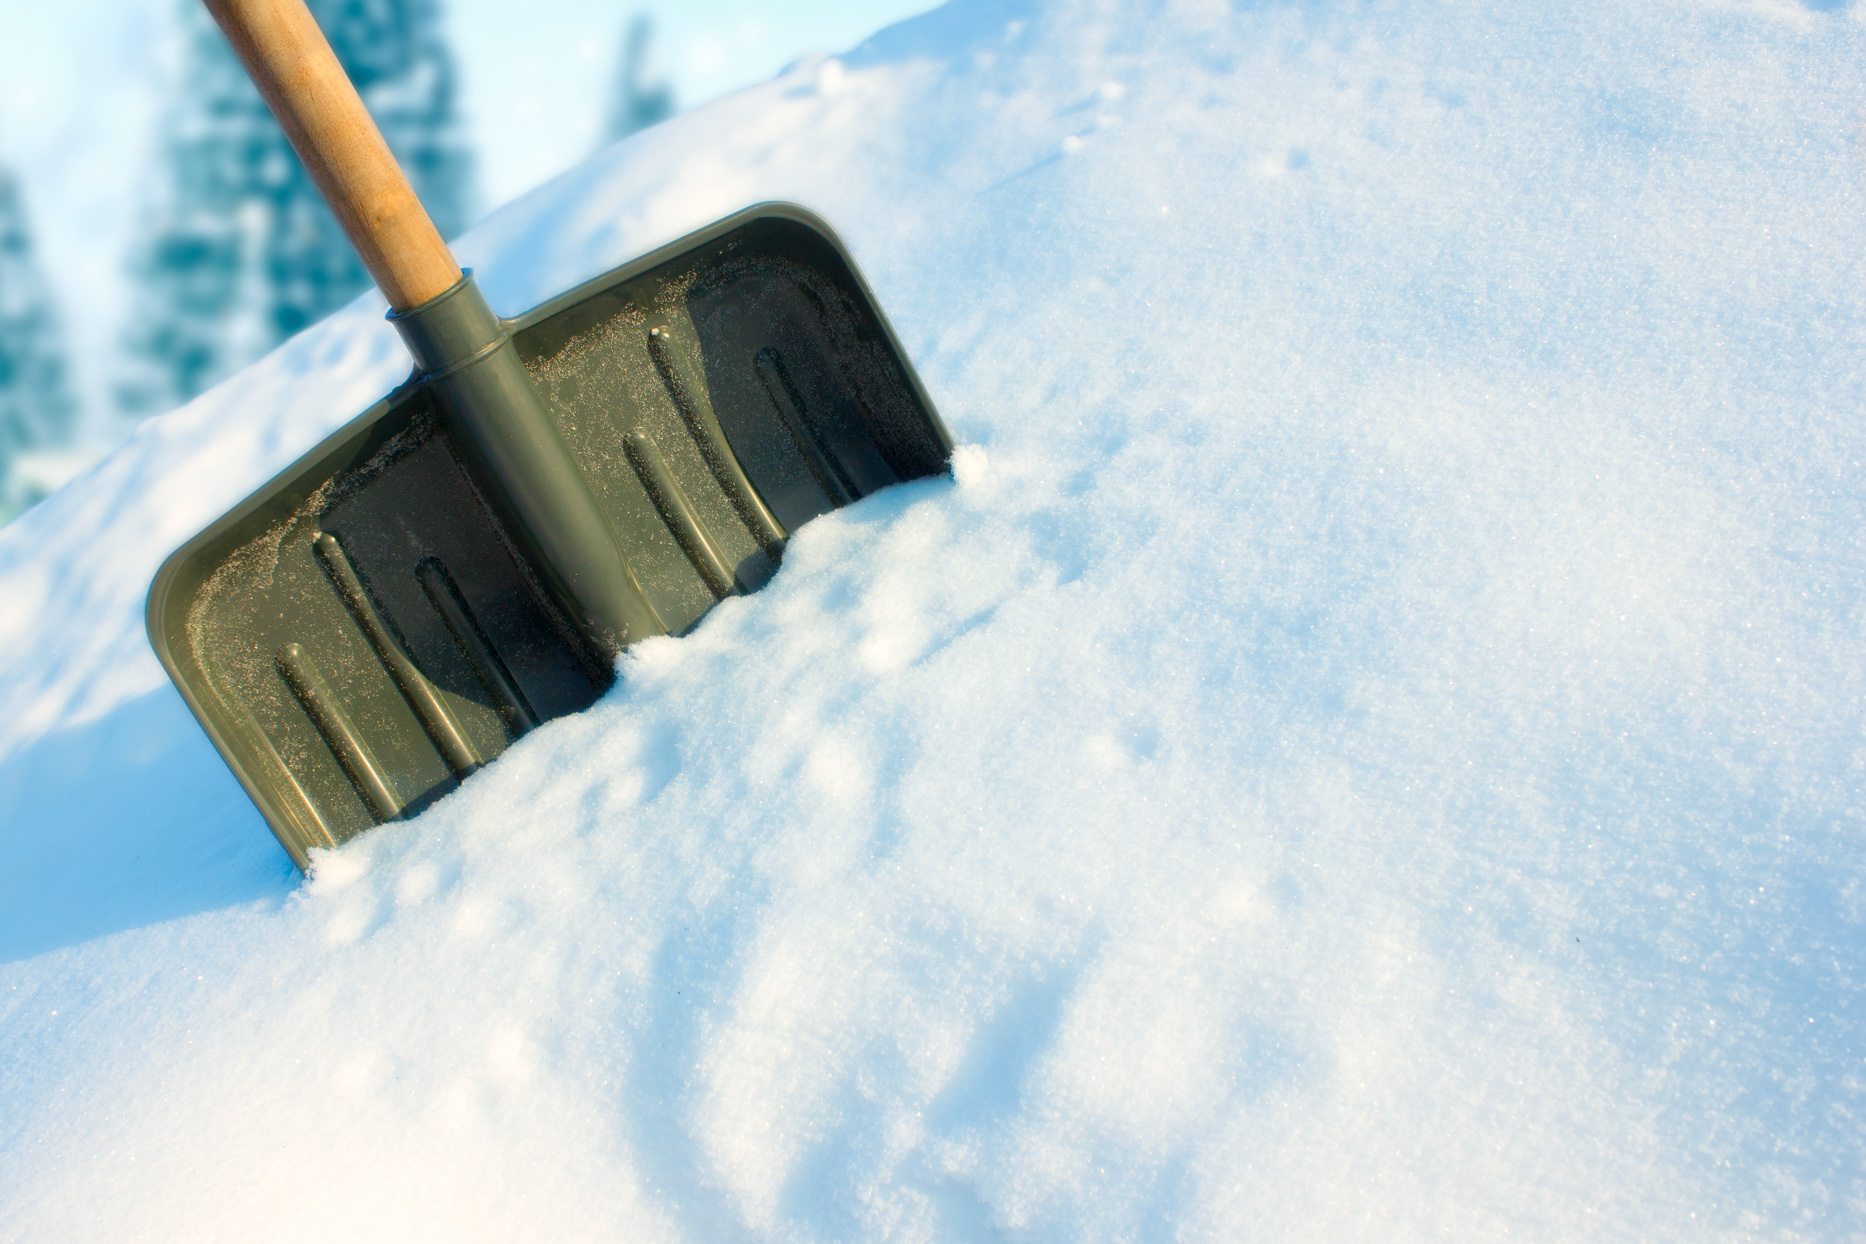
(1368, 744)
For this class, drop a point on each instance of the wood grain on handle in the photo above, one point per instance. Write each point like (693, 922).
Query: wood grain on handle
(291, 63)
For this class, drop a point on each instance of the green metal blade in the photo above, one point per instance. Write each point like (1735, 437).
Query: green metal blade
(367, 631)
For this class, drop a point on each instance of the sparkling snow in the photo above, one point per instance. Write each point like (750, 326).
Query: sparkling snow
(1369, 743)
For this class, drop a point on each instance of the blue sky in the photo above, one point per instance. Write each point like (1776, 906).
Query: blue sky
(82, 84)
(538, 74)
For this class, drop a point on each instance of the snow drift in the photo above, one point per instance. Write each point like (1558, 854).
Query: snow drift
(1367, 744)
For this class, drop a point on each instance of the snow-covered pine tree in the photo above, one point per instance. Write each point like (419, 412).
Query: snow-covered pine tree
(37, 410)
(239, 251)
(638, 102)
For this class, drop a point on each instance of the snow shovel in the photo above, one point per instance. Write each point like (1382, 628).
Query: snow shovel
(465, 559)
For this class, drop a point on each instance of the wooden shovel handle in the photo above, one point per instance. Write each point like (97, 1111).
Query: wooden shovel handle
(291, 63)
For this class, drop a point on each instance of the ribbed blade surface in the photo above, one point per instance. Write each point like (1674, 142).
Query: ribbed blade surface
(360, 637)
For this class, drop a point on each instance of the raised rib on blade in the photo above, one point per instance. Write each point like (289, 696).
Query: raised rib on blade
(681, 373)
(304, 808)
(442, 727)
(488, 666)
(358, 762)
(824, 466)
(671, 502)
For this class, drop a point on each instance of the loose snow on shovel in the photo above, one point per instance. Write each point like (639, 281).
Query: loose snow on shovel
(1369, 742)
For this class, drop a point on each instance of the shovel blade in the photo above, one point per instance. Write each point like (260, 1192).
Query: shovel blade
(361, 635)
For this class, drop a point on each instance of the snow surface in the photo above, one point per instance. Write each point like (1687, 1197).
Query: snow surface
(1369, 743)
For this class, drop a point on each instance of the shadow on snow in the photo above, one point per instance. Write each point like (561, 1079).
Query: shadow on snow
(126, 820)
